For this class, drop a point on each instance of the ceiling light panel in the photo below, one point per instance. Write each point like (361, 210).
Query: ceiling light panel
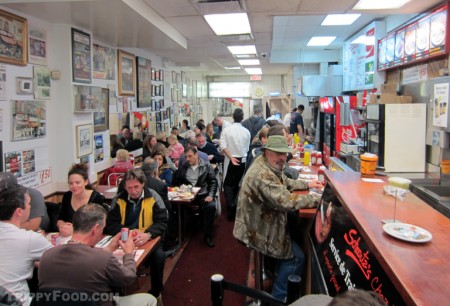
(249, 49)
(229, 24)
(379, 4)
(249, 62)
(321, 40)
(340, 19)
(253, 70)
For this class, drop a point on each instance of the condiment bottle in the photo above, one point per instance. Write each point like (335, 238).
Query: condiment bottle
(313, 157)
(307, 158)
(296, 139)
(319, 159)
(321, 174)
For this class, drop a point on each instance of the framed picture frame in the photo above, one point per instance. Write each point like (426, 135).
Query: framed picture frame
(37, 46)
(42, 82)
(81, 57)
(28, 119)
(104, 63)
(24, 86)
(84, 139)
(127, 73)
(88, 99)
(144, 82)
(101, 117)
(14, 33)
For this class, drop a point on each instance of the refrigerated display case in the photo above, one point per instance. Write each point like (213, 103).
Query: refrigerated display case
(327, 119)
(396, 133)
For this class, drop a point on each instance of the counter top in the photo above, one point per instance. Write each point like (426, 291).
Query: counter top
(420, 272)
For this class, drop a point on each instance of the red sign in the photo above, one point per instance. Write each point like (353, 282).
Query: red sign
(326, 105)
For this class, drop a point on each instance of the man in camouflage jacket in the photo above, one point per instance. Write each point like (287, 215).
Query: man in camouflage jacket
(264, 200)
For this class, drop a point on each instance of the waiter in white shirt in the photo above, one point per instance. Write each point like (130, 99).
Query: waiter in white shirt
(234, 143)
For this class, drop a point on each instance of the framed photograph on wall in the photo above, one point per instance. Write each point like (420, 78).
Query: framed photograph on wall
(42, 83)
(14, 42)
(84, 134)
(104, 63)
(28, 119)
(101, 117)
(37, 46)
(144, 82)
(81, 57)
(127, 73)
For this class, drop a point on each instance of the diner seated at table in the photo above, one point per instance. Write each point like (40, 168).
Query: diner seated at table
(209, 149)
(199, 173)
(136, 143)
(264, 200)
(148, 144)
(39, 218)
(175, 148)
(164, 171)
(123, 162)
(115, 144)
(19, 249)
(192, 143)
(79, 265)
(80, 193)
(142, 210)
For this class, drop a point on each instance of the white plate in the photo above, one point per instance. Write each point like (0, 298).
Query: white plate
(407, 232)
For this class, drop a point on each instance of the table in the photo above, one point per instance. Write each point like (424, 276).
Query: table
(109, 192)
(179, 202)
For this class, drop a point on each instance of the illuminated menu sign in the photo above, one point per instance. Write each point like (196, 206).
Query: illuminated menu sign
(344, 258)
(421, 38)
(360, 59)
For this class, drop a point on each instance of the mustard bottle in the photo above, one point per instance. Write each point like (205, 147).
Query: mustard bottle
(296, 139)
(306, 158)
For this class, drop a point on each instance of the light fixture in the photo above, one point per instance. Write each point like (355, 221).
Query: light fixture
(340, 19)
(245, 56)
(236, 50)
(321, 40)
(379, 4)
(253, 70)
(249, 62)
(233, 68)
(229, 24)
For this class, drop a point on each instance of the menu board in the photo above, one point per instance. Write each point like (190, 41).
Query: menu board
(360, 58)
(344, 259)
(421, 38)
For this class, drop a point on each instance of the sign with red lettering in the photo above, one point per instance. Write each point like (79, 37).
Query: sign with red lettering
(344, 259)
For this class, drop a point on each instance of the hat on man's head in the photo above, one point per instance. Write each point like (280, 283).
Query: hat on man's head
(277, 143)
(7, 180)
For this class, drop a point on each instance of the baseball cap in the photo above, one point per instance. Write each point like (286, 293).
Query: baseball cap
(277, 143)
(7, 180)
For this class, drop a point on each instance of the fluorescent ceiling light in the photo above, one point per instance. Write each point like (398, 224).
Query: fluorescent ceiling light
(250, 49)
(321, 40)
(233, 68)
(340, 19)
(249, 62)
(379, 4)
(245, 56)
(229, 24)
(253, 70)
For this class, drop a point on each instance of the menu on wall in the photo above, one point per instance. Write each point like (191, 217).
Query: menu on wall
(344, 258)
(419, 39)
(360, 57)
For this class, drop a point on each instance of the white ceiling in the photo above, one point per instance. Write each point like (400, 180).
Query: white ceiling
(177, 31)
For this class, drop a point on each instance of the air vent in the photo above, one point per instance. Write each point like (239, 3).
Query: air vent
(206, 7)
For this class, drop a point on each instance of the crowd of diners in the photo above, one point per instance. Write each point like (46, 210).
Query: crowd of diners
(257, 188)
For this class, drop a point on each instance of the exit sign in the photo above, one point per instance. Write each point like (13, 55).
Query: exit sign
(255, 77)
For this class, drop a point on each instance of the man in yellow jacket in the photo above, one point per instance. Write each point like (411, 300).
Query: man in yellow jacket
(142, 210)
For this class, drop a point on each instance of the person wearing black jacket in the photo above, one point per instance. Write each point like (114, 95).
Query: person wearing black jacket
(199, 173)
(142, 210)
(209, 149)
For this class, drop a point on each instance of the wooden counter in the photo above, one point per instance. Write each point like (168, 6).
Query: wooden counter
(420, 272)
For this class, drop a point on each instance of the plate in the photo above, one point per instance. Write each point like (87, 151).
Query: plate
(437, 33)
(407, 232)
(410, 42)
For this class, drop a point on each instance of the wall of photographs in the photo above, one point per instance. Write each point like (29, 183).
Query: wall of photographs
(422, 38)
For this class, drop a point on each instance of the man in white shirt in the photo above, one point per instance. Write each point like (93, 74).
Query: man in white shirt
(19, 248)
(221, 123)
(234, 143)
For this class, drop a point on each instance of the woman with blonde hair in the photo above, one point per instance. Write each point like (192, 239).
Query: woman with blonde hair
(176, 149)
(162, 138)
(123, 161)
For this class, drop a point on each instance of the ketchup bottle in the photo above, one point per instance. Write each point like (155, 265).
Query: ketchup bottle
(321, 175)
(319, 159)
(314, 157)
